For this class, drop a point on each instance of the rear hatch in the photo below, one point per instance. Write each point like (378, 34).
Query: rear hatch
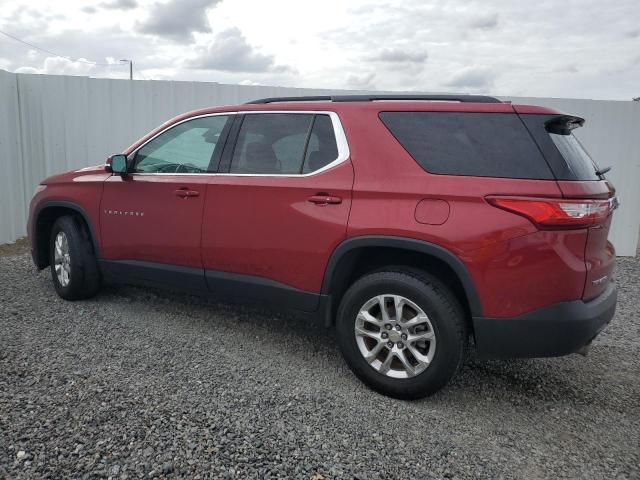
(590, 197)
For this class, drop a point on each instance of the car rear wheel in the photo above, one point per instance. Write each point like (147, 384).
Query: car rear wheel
(403, 333)
(74, 268)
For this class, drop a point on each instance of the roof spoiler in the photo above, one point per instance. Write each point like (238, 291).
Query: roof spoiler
(563, 124)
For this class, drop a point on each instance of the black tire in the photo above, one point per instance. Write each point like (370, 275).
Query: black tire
(445, 314)
(84, 278)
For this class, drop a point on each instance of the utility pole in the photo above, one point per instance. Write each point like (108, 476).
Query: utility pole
(130, 62)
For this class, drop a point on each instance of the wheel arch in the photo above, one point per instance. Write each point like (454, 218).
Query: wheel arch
(43, 219)
(346, 257)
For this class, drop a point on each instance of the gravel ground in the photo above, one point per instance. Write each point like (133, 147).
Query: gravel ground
(138, 382)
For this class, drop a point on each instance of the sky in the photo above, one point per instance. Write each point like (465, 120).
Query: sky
(544, 48)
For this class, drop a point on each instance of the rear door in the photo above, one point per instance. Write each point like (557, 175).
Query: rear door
(278, 207)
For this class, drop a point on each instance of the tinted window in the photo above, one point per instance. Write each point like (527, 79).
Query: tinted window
(578, 160)
(185, 148)
(322, 148)
(476, 144)
(566, 156)
(271, 143)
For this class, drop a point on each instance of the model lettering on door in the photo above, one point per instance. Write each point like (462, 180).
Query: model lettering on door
(128, 213)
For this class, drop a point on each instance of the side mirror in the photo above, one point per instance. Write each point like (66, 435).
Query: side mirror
(119, 164)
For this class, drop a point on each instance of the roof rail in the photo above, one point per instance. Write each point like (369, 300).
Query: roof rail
(372, 98)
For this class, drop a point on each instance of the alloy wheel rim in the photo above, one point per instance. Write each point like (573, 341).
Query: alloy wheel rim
(395, 336)
(62, 259)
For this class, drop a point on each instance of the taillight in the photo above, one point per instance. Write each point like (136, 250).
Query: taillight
(557, 213)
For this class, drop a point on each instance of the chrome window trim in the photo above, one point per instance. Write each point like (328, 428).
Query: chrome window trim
(338, 131)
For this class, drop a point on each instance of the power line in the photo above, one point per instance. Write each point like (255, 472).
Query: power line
(71, 59)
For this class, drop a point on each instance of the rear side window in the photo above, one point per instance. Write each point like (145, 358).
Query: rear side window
(568, 159)
(578, 160)
(322, 148)
(284, 144)
(469, 143)
(271, 143)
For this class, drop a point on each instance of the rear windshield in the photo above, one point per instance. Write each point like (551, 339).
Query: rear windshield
(568, 159)
(469, 143)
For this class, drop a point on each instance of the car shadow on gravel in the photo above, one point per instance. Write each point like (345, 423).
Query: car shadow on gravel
(244, 318)
(203, 303)
(527, 377)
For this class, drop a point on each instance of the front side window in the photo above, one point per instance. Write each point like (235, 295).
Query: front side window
(186, 148)
(284, 144)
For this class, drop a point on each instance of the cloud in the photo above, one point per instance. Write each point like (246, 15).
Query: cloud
(24, 21)
(472, 45)
(361, 82)
(249, 82)
(396, 55)
(484, 22)
(230, 52)
(100, 45)
(570, 68)
(120, 5)
(28, 70)
(472, 77)
(177, 19)
(60, 66)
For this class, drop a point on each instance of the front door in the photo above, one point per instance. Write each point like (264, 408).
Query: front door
(151, 220)
(278, 209)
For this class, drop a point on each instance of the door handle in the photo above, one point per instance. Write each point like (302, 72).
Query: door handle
(324, 199)
(186, 193)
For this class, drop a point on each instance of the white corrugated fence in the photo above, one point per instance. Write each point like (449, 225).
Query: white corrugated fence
(50, 124)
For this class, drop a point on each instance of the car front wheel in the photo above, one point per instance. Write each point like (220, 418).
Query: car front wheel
(74, 267)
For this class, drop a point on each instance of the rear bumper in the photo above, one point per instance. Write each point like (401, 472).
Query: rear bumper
(556, 330)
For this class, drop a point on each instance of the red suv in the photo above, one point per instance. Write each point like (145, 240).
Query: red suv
(414, 224)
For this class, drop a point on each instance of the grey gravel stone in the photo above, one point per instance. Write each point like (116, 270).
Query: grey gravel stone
(138, 383)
